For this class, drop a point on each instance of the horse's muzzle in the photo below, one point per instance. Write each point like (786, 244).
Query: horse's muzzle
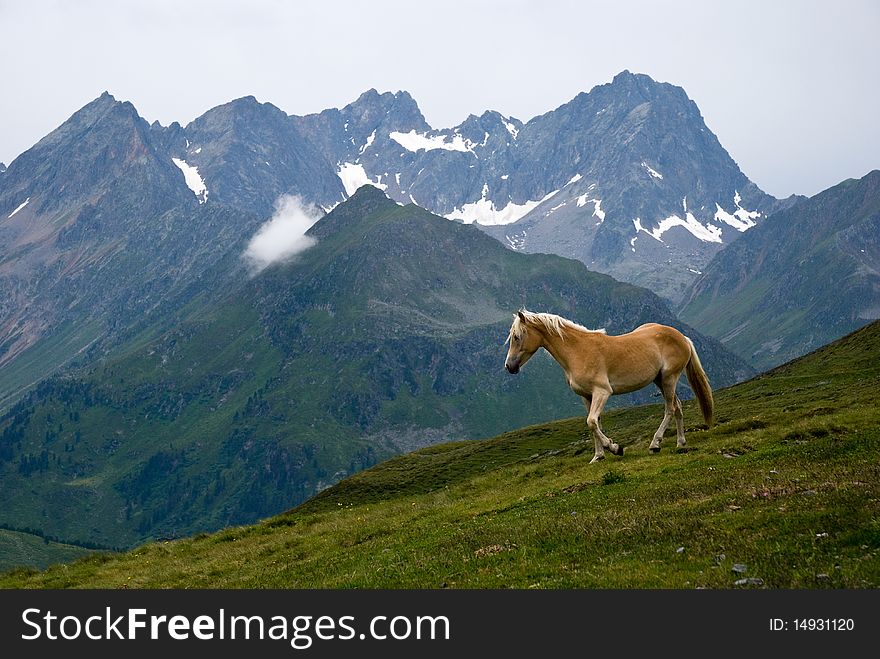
(513, 369)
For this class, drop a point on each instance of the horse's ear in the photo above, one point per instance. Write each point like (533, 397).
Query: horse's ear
(521, 316)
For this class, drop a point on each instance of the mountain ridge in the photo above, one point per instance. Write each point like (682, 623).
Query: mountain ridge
(498, 171)
(806, 276)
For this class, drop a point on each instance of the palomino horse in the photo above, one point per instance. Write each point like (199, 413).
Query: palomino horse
(598, 366)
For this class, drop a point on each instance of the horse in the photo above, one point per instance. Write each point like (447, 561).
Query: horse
(598, 366)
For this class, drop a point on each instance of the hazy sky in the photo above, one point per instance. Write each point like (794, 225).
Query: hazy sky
(791, 88)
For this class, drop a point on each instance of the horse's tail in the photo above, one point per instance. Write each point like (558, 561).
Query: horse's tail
(700, 384)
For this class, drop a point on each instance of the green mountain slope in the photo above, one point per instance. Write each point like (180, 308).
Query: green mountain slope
(782, 493)
(805, 276)
(385, 336)
(26, 549)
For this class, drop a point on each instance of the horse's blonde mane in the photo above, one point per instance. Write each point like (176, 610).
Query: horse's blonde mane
(551, 322)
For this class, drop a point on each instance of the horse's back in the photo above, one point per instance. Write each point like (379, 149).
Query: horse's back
(669, 344)
(647, 327)
(659, 331)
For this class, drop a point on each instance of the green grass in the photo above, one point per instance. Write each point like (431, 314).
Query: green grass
(18, 548)
(787, 484)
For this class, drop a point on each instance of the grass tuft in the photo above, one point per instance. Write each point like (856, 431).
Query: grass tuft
(613, 476)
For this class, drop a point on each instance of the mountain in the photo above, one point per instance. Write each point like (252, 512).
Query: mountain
(343, 136)
(110, 224)
(626, 178)
(386, 335)
(782, 493)
(807, 275)
(100, 228)
(250, 153)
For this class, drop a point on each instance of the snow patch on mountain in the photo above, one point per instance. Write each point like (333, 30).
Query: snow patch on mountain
(483, 211)
(741, 219)
(653, 172)
(369, 142)
(584, 199)
(517, 241)
(413, 141)
(193, 179)
(25, 203)
(706, 232)
(353, 176)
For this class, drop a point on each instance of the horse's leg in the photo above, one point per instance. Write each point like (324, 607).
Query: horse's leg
(598, 452)
(667, 387)
(588, 401)
(679, 423)
(600, 441)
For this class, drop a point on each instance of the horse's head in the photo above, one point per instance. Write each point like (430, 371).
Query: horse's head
(524, 342)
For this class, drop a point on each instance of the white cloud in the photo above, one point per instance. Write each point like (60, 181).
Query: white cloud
(283, 236)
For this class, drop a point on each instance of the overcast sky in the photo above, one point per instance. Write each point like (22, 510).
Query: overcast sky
(791, 88)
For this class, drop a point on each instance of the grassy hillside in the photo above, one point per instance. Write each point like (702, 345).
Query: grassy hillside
(784, 491)
(18, 548)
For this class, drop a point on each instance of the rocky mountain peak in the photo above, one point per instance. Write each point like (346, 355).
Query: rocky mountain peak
(392, 111)
(491, 122)
(91, 153)
(807, 275)
(242, 115)
(104, 110)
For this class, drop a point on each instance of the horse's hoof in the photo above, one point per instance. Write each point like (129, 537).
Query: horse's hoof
(654, 449)
(596, 458)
